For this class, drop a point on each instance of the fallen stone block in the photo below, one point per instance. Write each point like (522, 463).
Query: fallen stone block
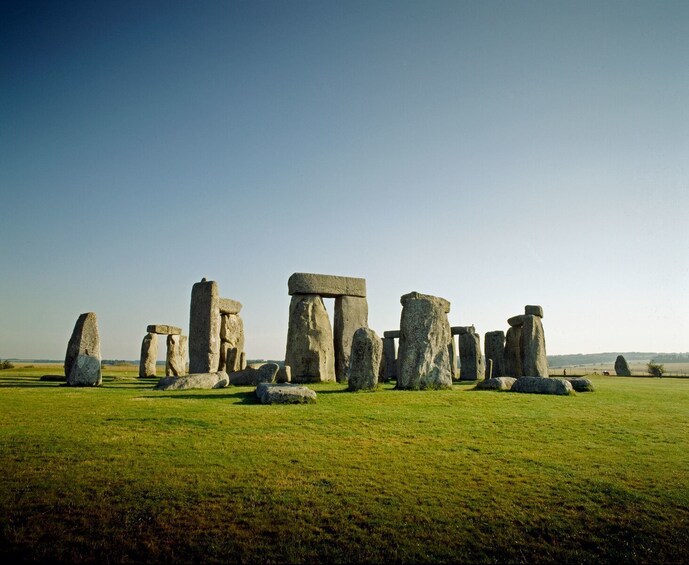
(255, 374)
(496, 383)
(269, 393)
(542, 385)
(195, 380)
(581, 384)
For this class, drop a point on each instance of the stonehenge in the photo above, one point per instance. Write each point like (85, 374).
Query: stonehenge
(176, 357)
(204, 328)
(471, 367)
(149, 355)
(83, 359)
(367, 349)
(424, 356)
(314, 353)
(494, 347)
(525, 353)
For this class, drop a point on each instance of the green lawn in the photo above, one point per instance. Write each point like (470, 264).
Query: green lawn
(124, 473)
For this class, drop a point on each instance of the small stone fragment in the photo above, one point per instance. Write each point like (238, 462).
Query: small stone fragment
(254, 374)
(496, 383)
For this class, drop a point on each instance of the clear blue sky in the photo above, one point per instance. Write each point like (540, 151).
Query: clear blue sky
(496, 154)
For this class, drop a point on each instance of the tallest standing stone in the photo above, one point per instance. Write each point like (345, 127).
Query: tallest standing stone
(204, 328)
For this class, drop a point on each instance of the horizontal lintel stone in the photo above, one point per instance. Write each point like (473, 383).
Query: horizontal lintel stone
(162, 329)
(533, 310)
(461, 330)
(516, 321)
(392, 333)
(327, 286)
(229, 306)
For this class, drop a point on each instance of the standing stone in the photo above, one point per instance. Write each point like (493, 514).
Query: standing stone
(242, 360)
(513, 355)
(533, 310)
(367, 351)
(232, 342)
(149, 356)
(534, 361)
(470, 358)
(351, 313)
(424, 358)
(85, 371)
(310, 351)
(495, 350)
(176, 361)
(284, 374)
(84, 341)
(452, 350)
(204, 328)
(390, 358)
(621, 367)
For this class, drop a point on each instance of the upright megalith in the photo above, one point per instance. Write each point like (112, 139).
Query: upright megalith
(367, 350)
(351, 313)
(513, 352)
(310, 352)
(534, 360)
(389, 357)
(495, 351)
(204, 328)
(176, 361)
(424, 357)
(621, 367)
(231, 341)
(82, 360)
(471, 367)
(149, 356)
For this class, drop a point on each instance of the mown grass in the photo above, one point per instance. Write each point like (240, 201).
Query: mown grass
(124, 473)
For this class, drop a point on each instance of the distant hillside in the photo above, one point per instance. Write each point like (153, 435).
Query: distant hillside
(593, 358)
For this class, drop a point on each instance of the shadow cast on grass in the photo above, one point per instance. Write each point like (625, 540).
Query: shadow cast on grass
(242, 397)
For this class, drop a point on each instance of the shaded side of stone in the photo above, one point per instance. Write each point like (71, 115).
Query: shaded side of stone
(231, 342)
(622, 367)
(284, 374)
(85, 371)
(470, 358)
(534, 360)
(513, 354)
(534, 310)
(176, 358)
(390, 358)
(254, 374)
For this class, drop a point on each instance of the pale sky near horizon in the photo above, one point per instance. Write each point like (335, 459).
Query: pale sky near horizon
(496, 154)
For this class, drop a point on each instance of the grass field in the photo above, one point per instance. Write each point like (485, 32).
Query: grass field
(123, 473)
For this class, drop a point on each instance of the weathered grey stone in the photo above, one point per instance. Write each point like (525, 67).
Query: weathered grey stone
(176, 359)
(542, 385)
(229, 306)
(461, 330)
(471, 367)
(424, 357)
(269, 393)
(533, 310)
(534, 360)
(232, 342)
(85, 371)
(390, 358)
(516, 321)
(351, 313)
(381, 365)
(163, 329)
(218, 379)
(284, 374)
(496, 383)
(513, 352)
(204, 328)
(254, 374)
(392, 334)
(149, 356)
(367, 350)
(621, 367)
(242, 360)
(84, 340)
(452, 350)
(495, 350)
(581, 384)
(328, 286)
(310, 351)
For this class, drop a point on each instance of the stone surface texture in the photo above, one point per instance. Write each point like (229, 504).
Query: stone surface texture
(204, 328)
(327, 286)
(310, 352)
(390, 358)
(366, 353)
(461, 330)
(424, 358)
(176, 358)
(516, 321)
(513, 352)
(541, 385)
(85, 340)
(581, 384)
(534, 310)
(285, 394)
(351, 313)
(163, 329)
(149, 355)
(232, 342)
(622, 367)
(392, 334)
(471, 367)
(229, 306)
(85, 371)
(452, 350)
(254, 374)
(284, 374)
(494, 343)
(496, 383)
(218, 379)
(534, 360)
